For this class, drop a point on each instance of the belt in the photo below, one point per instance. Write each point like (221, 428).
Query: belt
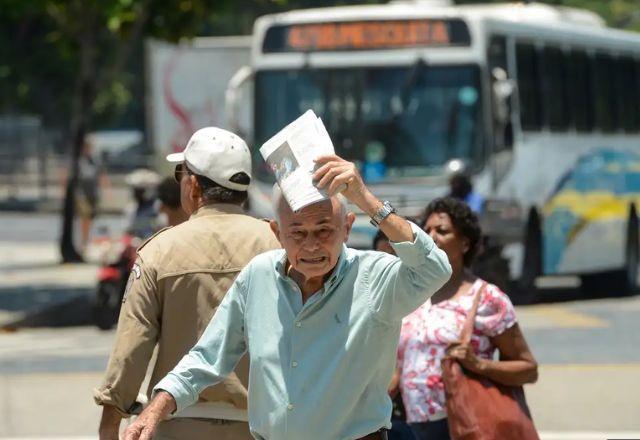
(380, 434)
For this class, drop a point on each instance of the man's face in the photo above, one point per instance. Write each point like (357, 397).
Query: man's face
(313, 237)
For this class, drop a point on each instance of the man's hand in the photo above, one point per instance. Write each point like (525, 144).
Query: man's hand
(109, 423)
(143, 428)
(146, 424)
(338, 175)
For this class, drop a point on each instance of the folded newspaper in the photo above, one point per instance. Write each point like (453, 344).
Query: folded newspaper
(291, 153)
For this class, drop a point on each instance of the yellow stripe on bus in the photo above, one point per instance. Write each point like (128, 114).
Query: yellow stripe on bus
(593, 206)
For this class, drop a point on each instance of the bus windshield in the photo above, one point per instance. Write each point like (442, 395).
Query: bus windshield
(393, 122)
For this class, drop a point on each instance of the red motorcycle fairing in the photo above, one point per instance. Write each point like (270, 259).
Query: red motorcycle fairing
(109, 273)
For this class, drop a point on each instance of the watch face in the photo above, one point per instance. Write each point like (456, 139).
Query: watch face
(382, 213)
(389, 207)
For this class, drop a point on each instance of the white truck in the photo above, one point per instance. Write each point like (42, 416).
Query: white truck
(186, 86)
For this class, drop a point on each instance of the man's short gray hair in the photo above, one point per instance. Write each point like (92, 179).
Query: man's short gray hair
(277, 197)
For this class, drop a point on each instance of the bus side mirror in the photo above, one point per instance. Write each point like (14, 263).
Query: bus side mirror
(238, 116)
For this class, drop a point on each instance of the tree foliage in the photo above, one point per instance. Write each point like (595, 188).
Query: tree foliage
(53, 43)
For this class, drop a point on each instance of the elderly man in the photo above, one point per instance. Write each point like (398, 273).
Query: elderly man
(179, 279)
(320, 322)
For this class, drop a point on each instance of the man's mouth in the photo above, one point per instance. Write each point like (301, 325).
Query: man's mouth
(316, 260)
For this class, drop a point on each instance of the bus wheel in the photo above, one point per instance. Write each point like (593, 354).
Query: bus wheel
(492, 267)
(629, 275)
(527, 291)
(622, 281)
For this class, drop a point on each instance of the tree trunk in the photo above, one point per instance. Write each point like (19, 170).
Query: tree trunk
(89, 82)
(84, 95)
(67, 248)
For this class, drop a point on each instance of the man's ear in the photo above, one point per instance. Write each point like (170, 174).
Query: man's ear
(275, 229)
(195, 191)
(348, 223)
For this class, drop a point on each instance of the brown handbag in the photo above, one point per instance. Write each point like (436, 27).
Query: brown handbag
(477, 407)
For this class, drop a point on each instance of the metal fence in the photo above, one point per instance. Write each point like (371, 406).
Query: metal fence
(27, 162)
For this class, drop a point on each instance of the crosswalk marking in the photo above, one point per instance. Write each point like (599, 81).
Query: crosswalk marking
(556, 316)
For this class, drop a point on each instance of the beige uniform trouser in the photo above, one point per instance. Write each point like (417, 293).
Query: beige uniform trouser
(202, 429)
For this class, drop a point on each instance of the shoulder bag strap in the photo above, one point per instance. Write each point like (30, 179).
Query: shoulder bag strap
(467, 329)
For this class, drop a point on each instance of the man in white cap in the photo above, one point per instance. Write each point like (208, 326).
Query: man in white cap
(180, 277)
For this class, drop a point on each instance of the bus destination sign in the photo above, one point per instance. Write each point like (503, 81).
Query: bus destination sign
(366, 35)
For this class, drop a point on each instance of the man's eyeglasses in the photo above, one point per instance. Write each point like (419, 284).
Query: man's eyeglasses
(179, 171)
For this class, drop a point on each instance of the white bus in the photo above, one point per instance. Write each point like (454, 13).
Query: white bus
(542, 104)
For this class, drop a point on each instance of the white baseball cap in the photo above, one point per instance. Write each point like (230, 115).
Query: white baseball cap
(217, 154)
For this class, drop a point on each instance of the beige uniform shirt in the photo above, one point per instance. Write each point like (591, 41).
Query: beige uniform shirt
(180, 277)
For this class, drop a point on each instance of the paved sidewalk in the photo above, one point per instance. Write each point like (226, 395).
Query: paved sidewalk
(32, 279)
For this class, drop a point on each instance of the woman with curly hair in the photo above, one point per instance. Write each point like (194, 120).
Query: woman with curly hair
(432, 331)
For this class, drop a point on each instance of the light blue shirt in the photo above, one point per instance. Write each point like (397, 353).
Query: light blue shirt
(319, 370)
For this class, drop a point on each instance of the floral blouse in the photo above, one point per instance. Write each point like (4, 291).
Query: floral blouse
(427, 332)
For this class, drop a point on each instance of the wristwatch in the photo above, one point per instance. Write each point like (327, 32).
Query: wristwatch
(384, 212)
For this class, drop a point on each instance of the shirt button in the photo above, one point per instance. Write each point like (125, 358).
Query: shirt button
(298, 324)
(290, 407)
(294, 364)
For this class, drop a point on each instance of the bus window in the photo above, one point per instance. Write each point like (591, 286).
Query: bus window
(580, 96)
(553, 85)
(626, 88)
(529, 93)
(497, 52)
(605, 108)
(413, 119)
(636, 86)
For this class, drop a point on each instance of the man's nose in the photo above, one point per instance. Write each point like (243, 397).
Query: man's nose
(311, 242)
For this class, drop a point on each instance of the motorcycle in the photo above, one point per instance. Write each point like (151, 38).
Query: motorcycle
(118, 257)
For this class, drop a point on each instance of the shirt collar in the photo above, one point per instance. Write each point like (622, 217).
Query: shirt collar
(218, 209)
(336, 273)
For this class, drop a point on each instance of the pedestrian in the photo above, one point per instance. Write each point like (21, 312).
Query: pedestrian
(179, 280)
(92, 181)
(320, 321)
(141, 217)
(432, 331)
(169, 205)
(461, 187)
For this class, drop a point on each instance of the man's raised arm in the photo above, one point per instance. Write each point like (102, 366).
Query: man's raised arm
(397, 286)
